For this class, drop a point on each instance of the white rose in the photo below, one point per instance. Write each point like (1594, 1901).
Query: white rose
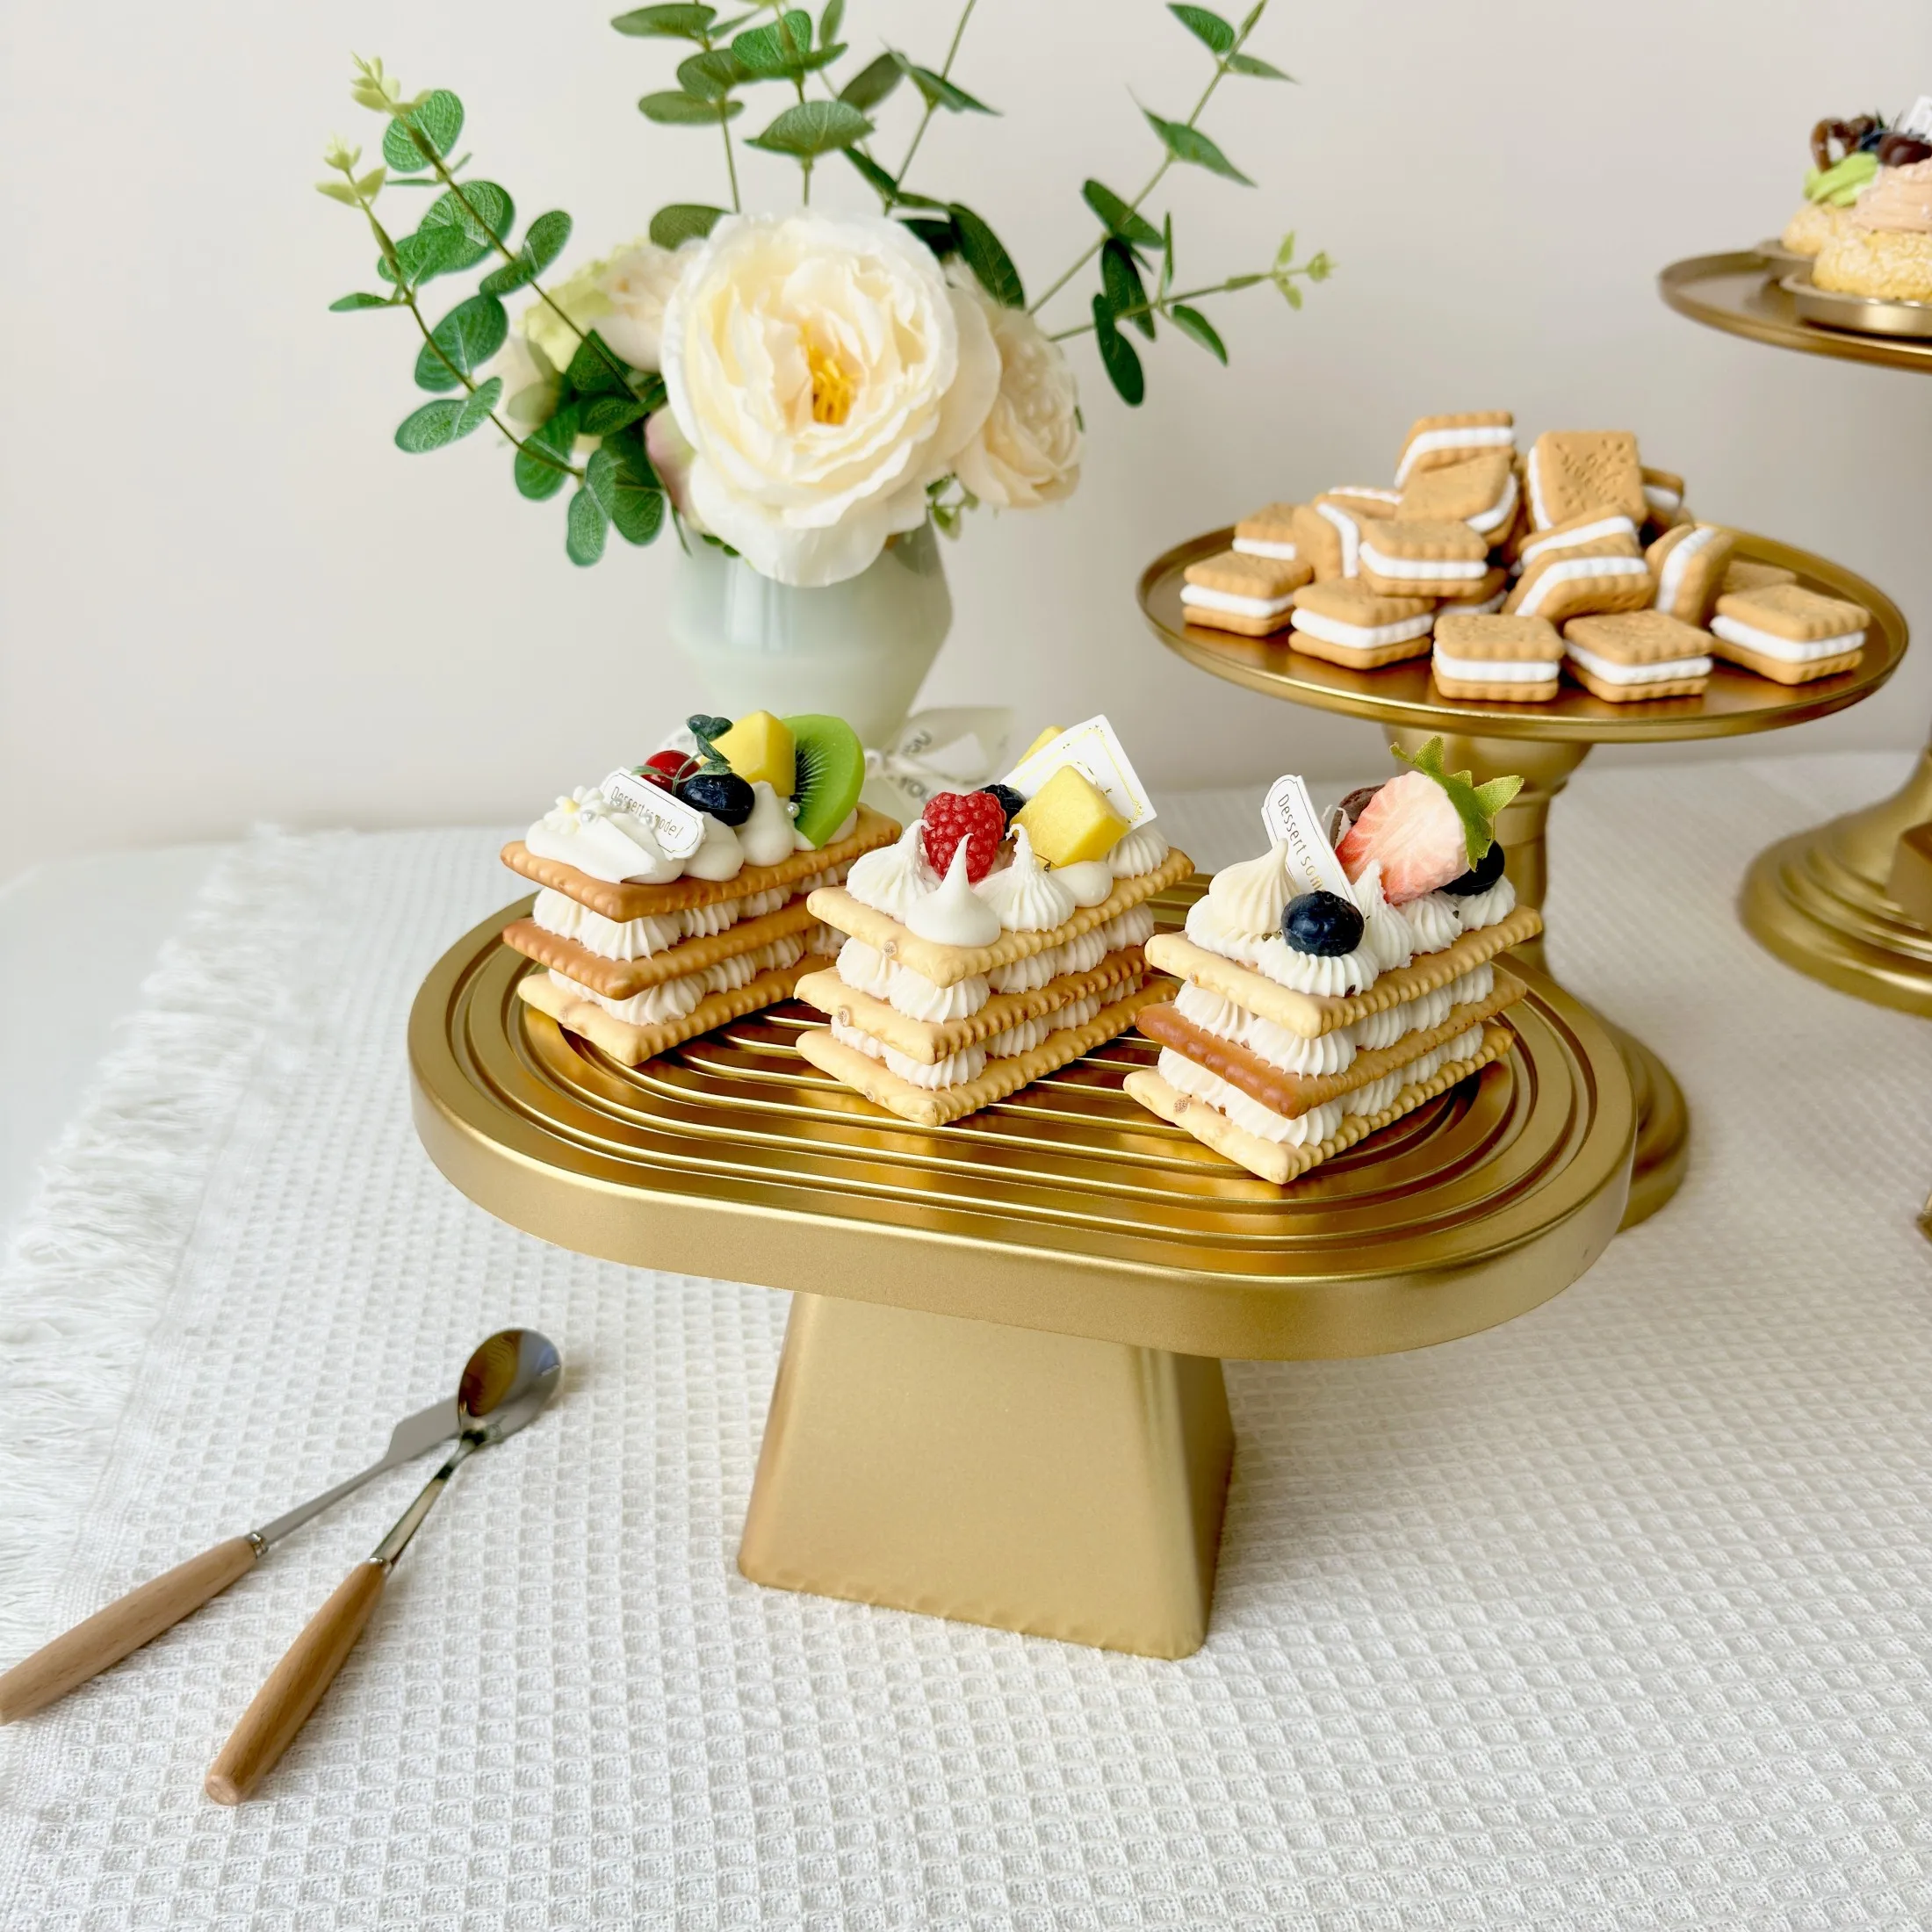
(1027, 450)
(621, 296)
(823, 374)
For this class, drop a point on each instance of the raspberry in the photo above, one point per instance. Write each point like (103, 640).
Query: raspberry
(951, 816)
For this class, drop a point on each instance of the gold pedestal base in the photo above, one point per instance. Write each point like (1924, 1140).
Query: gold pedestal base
(1822, 903)
(1043, 1483)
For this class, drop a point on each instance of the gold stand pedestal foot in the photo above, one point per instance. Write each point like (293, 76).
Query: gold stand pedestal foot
(1663, 1131)
(1822, 903)
(1043, 1483)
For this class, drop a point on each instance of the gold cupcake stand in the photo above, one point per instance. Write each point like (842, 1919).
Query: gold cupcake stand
(1848, 902)
(1544, 743)
(1000, 1398)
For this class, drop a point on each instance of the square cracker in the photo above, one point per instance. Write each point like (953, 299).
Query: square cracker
(937, 1107)
(1272, 523)
(1269, 1160)
(1470, 487)
(1782, 670)
(1639, 637)
(1572, 471)
(1635, 694)
(1349, 601)
(947, 965)
(1448, 446)
(1312, 1014)
(1747, 573)
(620, 978)
(1239, 575)
(1495, 638)
(637, 902)
(1359, 657)
(1788, 610)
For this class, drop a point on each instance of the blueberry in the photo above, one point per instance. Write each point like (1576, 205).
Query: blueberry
(1010, 800)
(722, 795)
(1322, 923)
(1480, 877)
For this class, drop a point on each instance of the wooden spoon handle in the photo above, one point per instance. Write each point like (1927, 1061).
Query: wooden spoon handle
(295, 1686)
(125, 1624)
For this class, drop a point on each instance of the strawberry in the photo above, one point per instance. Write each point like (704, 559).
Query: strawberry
(977, 816)
(1427, 827)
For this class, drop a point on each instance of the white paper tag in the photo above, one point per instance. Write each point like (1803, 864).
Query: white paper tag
(1289, 817)
(675, 826)
(1919, 120)
(1093, 748)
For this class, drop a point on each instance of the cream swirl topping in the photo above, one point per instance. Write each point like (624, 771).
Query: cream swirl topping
(584, 830)
(1485, 909)
(953, 914)
(1025, 896)
(1386, 936)
(1432, 920)
(720, 856)
(894, 878)
(1249, 898)
(768, 834)
(1138, 851)
(1305, 1129)
(1091, 881)
(1898, 201)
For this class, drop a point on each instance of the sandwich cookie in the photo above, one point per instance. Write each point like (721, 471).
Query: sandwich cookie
(1346, 622)
(1664, 491)
(1481, 493)
(1513, 661)
(1688, 563)
(1414, 559)
(1269, 532)
(1636, 654)
(1747, 573)
(1435, 441)
(1480, 599)
(1608, 535)
(1789, 634)
(1252, 596)
(1364, 499)
(1563, 583)
(1573, 471)
(1328, 533)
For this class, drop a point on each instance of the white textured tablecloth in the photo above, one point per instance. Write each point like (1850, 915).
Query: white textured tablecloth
(1614, 1618)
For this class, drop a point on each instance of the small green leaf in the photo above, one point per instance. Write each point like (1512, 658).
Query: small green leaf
(467, 336)
(369, 185)
(1117, 218)
(585, 528)
(1256, 69)
(683, 221)
(937, 232)
(674, 110)
(812, 128)
(1117, 356)
(781, 49)
(430, 252)
(1209, 29)
(338, 190)
(345, 305)
(534, 478)
(636, 507)
(543, 240)
(830, 21)
(711, 76)
(1290, 293)
(597, 370)
(484, 212)
(665, 23)
(937, 91)
(437, 117)
(1320, 267)
(988, 259)
(1120, 279)
(1192, 324)
(604, 416)
(1167, 251)
(432, 427)
(1254, 18)
(872, 85)
(1284, 254)
(883, 183)
(1189, 144)
(476, 411)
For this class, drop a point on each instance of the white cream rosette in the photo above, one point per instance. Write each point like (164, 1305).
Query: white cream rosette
(823, 374)
(1027, 450)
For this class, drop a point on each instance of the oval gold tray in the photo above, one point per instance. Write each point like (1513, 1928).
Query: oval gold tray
(1864, 314)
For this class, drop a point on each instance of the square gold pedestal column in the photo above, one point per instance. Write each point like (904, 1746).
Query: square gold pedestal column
(1044, 1483)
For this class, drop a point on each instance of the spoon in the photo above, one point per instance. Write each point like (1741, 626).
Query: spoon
(158, 1604)
(504, 1385)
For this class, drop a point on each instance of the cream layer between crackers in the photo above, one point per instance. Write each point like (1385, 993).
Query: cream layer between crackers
(621, 979)
(1312, 1014)
(947, 965)
(1270, 1160)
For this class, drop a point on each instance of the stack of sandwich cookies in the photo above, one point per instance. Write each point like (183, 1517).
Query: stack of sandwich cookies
(1487, 658)
(999, 939)
(1481, 491)
(1343, 622)
(1239, 591)
(1624, 658)
(1309, 1019)
(674, 896)
(1689, 562)
(1436, 441)
(1788, 633)
(1572, 473)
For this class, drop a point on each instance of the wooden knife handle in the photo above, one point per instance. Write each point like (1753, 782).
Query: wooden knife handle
(295, 1686)
(125, 1624)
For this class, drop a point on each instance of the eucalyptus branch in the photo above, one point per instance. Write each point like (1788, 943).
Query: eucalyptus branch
(945, 74)
(1167, 160)
(1315, 269)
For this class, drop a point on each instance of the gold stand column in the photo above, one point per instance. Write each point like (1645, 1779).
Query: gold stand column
(1043, 1483)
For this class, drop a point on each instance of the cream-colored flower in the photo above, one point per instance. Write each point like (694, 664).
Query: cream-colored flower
(1027, 450)
(530, 383)
(621, 296)
(825, 374)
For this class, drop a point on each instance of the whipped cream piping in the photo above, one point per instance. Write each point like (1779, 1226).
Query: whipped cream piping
(1748, 636)
(673, 999)
(1205, 599)
(1418, 567)
(1432, 920)
(1659, 673)
(581, 830)
(1574, 567)
(1138, 852)
(1497, 670)
(894, 878)
(1024, 895)
(1213, 1012)
(1187, 1077)
(1482, 909)
(1355, 636)
(1491, 438)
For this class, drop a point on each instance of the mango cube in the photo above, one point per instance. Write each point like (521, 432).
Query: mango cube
(1069, 820)
(1046, 738)
(761, 746)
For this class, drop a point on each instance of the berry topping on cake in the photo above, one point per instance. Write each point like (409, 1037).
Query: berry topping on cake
(1322, 923)
(720, 795)
(1427, 827)
(1480, 877)
(666, 769)
(1010, 800)
(976, 819)
(1356, 803)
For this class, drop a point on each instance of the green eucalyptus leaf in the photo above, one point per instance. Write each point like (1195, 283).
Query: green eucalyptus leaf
(476, 411)
(543, 240)
(1290, 293)
(881, 182)
(1254, 18)
(604, 416)
(627, 445)
(430, 252)
(635, 507)
(339, 190)
(1214, 34)
(597, 369)
(432, 427)
(1117, 356)
(1189, 144)
(781, 49)
(665, 23)
(1196, 327)
(1167, 251)
(648, 388)
(830, 21)
(1255, 68)
(987, 258)
(535, 478)
(813, 128)
(484, 212)
(1120, 279)
(675, 110)
(682, 221)
(437, 117)
(1117, 218)
(937, 91)
(713, 74)
(467, 337)
(872, 85)
(345, 305)
(585, 527)
(939, 235)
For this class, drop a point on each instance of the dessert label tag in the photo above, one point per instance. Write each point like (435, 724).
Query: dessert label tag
(1919, 121)
(1290, 819)
(674, 824)
(1094, 749)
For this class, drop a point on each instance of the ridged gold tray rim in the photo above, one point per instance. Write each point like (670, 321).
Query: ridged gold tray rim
(1738, 292)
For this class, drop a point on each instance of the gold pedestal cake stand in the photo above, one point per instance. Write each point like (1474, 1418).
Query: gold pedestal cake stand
(1842, 902)
(1000, 1398)
(1544, 743)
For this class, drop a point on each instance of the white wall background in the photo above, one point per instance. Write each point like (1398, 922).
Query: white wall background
(229, 598)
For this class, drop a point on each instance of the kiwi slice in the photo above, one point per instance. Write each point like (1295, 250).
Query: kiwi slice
(831, 773)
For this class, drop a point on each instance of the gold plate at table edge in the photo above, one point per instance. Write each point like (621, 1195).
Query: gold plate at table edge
(1068, 1209)
(1863, 314)
(1403, 694)
(1737, 292)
